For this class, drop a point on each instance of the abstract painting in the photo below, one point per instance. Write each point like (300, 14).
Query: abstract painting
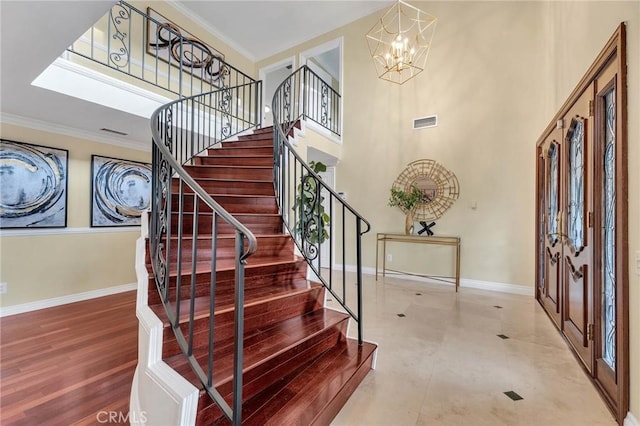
(121, 191)
(177, 47)
(33, 186)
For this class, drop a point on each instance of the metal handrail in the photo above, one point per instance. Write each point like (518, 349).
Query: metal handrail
(296, 183)
(132, 42)
(181, 130)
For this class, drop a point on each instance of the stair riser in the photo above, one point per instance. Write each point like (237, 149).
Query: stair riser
(235, 161)
(267, 375)
(230, 187)
(266, 142)
(260, 131)
(265, 129)
(242, 151)
(225, 248)
(237, 204)
(256, 316)
(222, 172)
(257, 224)
(332, 410)
(254, 277)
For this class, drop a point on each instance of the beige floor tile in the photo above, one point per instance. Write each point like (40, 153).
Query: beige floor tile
(443, 363)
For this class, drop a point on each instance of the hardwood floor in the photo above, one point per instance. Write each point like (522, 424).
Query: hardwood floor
(71, 364)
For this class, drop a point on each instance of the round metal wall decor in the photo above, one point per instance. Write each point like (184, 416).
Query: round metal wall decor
(439, 187)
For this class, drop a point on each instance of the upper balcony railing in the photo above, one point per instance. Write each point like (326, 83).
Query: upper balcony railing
(150, 48)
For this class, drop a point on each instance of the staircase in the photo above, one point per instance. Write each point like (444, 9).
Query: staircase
(298, 365)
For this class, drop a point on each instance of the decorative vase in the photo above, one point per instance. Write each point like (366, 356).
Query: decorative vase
(408, 223)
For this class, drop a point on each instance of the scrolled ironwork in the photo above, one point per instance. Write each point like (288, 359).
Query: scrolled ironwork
(311, 230)
(180, 64)
(225, 105)
(324, 104)
(120, 57)
(286, 104)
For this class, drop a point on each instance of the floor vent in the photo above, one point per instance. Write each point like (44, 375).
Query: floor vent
(425, 122)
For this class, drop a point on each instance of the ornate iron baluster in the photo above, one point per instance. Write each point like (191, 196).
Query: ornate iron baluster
(120, 57)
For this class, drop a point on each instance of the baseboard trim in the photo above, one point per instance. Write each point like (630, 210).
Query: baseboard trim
(631, 420)
(500, 287)
(32, 232)
(464, 282)
(63, 300)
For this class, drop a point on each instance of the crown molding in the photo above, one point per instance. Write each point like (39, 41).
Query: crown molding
(177, 5)
(45, 126)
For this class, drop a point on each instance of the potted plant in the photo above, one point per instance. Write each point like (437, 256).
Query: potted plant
(407, 202)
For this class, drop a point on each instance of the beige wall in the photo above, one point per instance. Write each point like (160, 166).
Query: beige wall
(496, 75)
(39, 267)
(478, 58)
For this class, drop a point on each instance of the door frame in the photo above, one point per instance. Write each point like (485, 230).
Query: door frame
(262, 75)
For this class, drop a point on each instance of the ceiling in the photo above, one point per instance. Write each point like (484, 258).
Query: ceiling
(248, 26)
(260, 29)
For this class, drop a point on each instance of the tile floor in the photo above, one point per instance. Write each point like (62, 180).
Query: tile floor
(443, 363)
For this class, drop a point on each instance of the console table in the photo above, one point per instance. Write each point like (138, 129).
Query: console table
(417, 239)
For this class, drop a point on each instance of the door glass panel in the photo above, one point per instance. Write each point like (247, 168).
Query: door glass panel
(576, 185)
(553, 193)
(609, 232)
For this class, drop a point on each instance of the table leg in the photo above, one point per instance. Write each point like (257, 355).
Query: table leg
(384, 257)
(457, 266)
(377, 244)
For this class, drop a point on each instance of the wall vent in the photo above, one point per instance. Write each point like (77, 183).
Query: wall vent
(425, 122)
(117, 132)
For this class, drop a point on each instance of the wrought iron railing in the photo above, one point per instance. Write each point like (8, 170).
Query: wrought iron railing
(150, 48)
(312, 98)
(181, 253)
(314, 214)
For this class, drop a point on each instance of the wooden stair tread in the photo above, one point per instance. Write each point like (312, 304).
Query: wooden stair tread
(214, 179)
(226, 302)
(232, 166)
(239, 146)
(260, 346)
(229, 264)
(242, 196)
(239, 214)
(306, 395)
(228, 236)
(240, 156)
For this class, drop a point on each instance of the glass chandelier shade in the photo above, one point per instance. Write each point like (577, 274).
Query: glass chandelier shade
(399, 42)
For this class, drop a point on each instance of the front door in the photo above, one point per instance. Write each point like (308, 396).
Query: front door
(550, 249)
(577, 207)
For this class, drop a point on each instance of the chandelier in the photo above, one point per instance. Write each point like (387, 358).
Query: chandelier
(400, 41)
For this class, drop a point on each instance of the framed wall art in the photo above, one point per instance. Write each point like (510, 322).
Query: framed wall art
(120, 191)
(33, 185)
(177, 47)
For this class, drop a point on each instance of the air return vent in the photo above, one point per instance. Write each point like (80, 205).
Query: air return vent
(425, 122)
(115, 132)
